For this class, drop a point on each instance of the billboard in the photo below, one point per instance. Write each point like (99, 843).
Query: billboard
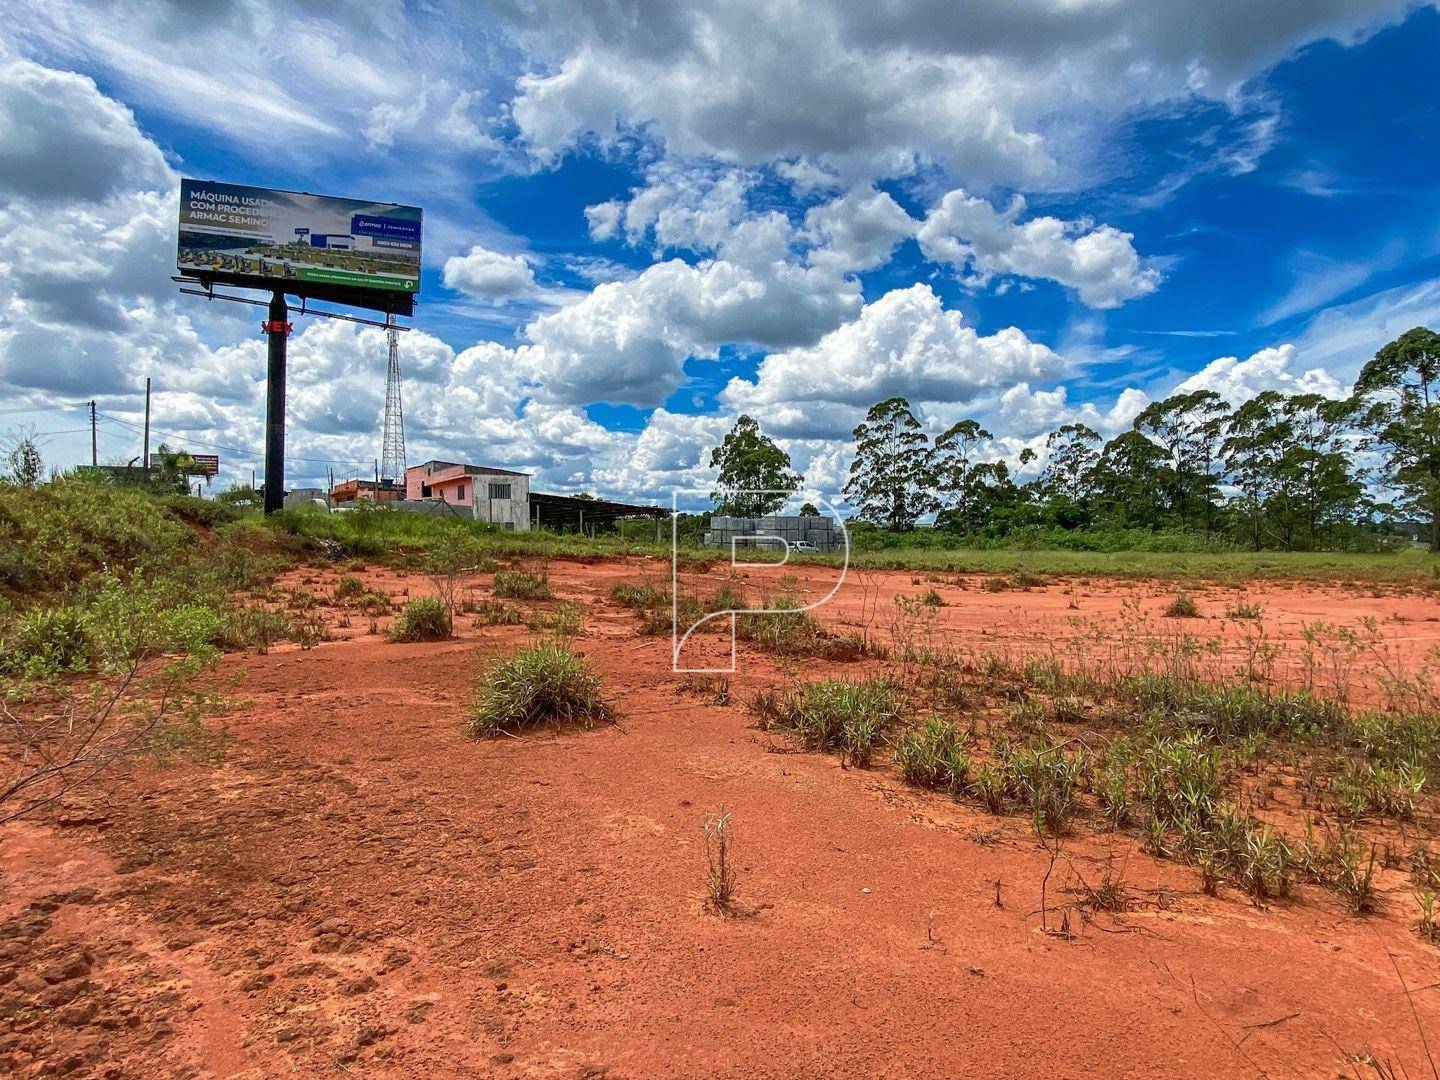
(343, 250)
(186, 463)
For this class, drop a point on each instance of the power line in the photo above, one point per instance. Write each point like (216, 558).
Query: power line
(230, 449)
(44, 408)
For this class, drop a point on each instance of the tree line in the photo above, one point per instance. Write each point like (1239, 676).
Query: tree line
(1293, 472)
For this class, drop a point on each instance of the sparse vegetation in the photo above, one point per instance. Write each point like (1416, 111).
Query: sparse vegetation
(640, 595)
(252, 627)
(521, 585)
(1386, 790)
(934, 755)
(833, 714)
(1428, 925)
(1044, 779)
(497, 614)
(351, 592)
(714, 689)
(563, 621)
(544, 684)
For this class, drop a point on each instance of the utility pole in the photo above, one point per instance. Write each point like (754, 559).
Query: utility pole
(94, 448)
(277, 329)
(145, 450)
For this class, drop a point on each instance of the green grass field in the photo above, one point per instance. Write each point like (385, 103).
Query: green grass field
(1408, 567)
(377, 533)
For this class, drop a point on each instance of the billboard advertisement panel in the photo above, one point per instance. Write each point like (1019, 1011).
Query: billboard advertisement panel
(347, 250)
(186, 463)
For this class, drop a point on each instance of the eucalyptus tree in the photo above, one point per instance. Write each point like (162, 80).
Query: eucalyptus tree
(1189, 428)
(1399, 403)
(892, 478)
(1130, 481)
(953, 465)
(1255, 439)
(1071, 454)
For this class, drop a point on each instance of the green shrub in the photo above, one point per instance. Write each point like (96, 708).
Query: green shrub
(46, 642)
(727, 598)
(133, 622)
(934, 756)
(1428, 925)
(1353, 877)
(349, 588)
(834, 714)
(1253, 854)
(789, 630)
(641, 595)
(1114, 794)
(52, 538)
(1180, 780)
(1236, 710)
(546, 683)
(422, 619)
(207, 512)
(521, 585)
(354, 593)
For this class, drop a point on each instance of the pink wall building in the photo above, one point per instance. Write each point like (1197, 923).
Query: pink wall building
(497, 495)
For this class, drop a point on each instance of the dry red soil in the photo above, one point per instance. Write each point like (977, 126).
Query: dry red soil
(360, 888)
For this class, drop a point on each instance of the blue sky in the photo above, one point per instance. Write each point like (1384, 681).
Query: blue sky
(642, 220)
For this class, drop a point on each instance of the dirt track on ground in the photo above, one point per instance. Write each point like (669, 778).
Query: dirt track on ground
(360, 887)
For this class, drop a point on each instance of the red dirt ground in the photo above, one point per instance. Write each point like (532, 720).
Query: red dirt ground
(360, 888)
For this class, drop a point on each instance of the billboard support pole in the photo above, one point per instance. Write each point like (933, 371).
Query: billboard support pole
(277, 329)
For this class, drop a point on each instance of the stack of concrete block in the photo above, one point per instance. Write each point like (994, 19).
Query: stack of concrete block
(820, 531)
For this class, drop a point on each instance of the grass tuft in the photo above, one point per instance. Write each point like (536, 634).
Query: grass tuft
(719, 860)
(833, 714)
(546, 683)
(422, 619)
(521, 585)
(1182, 606)
(934, 755)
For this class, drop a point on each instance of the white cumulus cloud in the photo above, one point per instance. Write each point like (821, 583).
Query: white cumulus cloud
(1238, 381)
(1098, 261)
(490, 275)
(905, 343)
